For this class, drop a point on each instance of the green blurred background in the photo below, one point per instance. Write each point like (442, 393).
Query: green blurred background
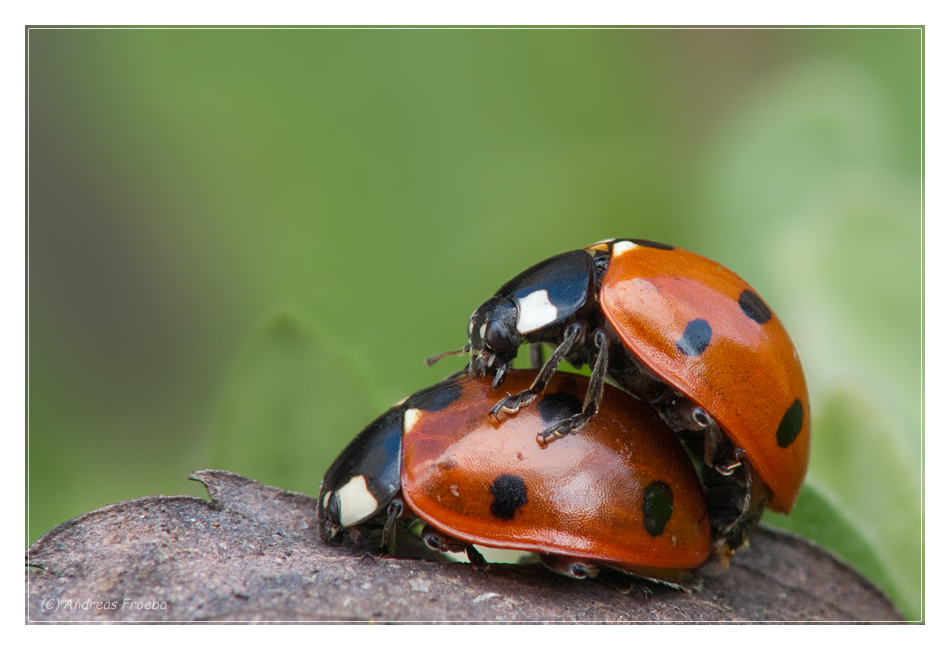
(244, 243)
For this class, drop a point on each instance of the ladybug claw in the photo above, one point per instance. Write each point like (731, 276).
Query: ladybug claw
(562, 428)
(513, 403)
(504, 405)
(728, 467)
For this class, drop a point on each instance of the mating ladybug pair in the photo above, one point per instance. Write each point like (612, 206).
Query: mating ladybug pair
(689, 338)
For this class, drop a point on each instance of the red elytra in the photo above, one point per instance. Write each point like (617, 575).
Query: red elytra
(623, 494)
(704, 330)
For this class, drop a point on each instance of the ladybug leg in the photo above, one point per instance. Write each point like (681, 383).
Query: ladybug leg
(727, 467)
(572, 567)
(595, 391)
(573, 335)
(443, 543)
(724, 458)
(332, 534)
(712, 439)
(682, 414)
(646, 594)
(735, 501)
(617, 581)
(476, 559)
(393, 513)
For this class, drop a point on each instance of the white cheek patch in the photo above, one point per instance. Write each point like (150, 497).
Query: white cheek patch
(409, 419)
(482, 330)
(356, 502)
(622, 247)
(535, 311)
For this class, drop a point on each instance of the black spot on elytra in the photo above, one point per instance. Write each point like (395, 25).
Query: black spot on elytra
(652, 244)
(436, 398)
(754, 307)
(791, 424)
(557, 407)
(695, 337)
(657, 507)
(510, 493)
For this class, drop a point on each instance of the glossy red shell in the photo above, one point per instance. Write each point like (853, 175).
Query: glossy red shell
(748, 377)
(584, 495)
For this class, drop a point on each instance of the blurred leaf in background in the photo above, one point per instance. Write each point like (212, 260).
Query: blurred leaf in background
(287, 391)
(834, 223)
(244, 243)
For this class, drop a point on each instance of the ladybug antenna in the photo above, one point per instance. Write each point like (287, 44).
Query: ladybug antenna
(465, 350)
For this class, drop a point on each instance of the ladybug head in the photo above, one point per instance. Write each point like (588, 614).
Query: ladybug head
(494, 337)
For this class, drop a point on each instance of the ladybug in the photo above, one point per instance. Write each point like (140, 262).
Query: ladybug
(679, 331)
(624, 496)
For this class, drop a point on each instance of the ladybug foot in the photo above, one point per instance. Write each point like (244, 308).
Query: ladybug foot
(620, 582)
(572, 567)
(730, 465)
(443, 543)
(514, 402)
(562, 428)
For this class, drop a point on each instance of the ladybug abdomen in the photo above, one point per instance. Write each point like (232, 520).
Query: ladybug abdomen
(623, 493)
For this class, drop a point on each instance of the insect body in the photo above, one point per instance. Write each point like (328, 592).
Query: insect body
(624, 495)
(674, 328)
